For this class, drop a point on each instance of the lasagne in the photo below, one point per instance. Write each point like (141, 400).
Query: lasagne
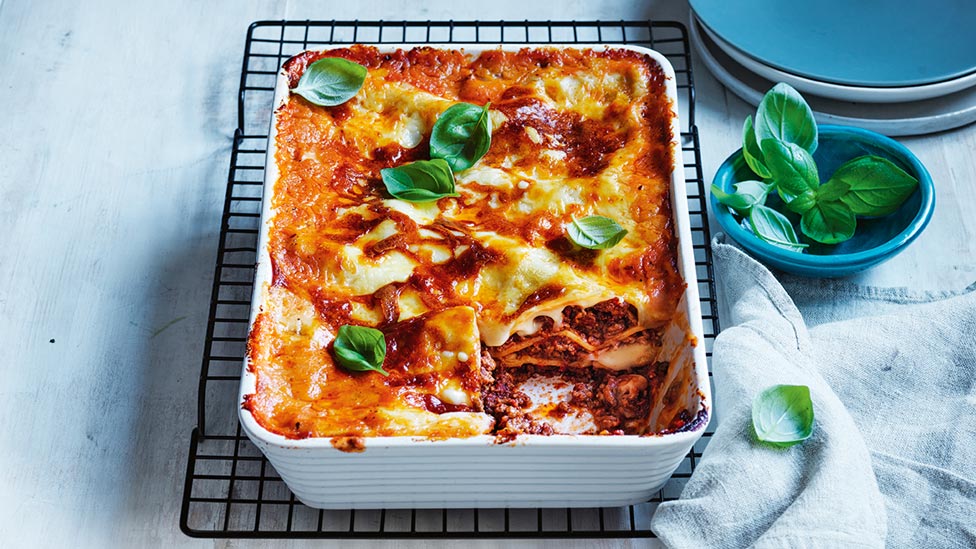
(495, 322)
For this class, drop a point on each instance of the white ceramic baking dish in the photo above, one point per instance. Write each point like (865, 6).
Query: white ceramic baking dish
(531, 471)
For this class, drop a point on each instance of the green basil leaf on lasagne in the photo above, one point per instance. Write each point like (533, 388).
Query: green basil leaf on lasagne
(461, 135)
(331, 81)
(420, 181)
(782, 415)
(360, 349)
(595, 232)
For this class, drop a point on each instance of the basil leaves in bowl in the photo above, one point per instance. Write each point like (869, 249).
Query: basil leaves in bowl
(820, 201)
(875, 240)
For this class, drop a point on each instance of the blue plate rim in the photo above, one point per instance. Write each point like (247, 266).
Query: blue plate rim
(832, 79)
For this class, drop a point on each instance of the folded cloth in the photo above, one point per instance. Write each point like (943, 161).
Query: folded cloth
(892, 459)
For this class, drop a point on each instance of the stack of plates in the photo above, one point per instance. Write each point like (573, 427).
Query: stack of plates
(898, 67)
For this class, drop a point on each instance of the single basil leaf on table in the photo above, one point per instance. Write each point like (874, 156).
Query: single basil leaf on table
(747, 194)
(829, 222)
(876, 186)
(775, 228)
(461, 135)
(794, 170)
(751, 151)
(595, 232)
(420, 181)
(782, 415)
(331, 81)
(360, 349)
(783, 115)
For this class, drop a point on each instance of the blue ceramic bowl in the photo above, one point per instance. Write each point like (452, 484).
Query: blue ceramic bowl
(876, 239)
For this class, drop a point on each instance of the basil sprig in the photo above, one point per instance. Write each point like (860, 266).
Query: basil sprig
(778, 149)
(784, 116)
(774, 227)
(420, 181)
(792, 168)
(782, 415)
(360, 349)
(828, 222)
(747, 194)
(331, 81)
(595, 232)
(751, 151)
(874, 185)
(461, 136)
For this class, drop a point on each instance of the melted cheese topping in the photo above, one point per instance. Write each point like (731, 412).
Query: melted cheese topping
(430, 391)
(575, 133)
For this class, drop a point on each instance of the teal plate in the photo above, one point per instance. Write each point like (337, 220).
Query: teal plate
(874, 43)
(876, 239)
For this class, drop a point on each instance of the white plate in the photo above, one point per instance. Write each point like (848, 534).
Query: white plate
(533, 470)
(893, 119)
(840, 92)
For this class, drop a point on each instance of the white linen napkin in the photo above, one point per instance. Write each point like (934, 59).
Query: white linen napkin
(892, 460)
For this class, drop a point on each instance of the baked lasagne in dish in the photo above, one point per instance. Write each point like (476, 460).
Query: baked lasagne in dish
(495, 321)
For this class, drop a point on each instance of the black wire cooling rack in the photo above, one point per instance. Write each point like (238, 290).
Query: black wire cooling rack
(231, 490)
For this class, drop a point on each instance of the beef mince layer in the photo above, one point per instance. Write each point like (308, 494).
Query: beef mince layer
(582, 337)
(616, 402)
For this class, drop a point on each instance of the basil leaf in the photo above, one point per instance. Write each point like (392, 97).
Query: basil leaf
(461, 135)
(595, 232)
(829, 222)
(794, 171)
(773, 227)
(833, 190)
(331, 81)
(876, 186)
(747, 194)
(360, 349)
(801, 202)
(420, 181)
(751, 151)
(783, 115)
(782, 415)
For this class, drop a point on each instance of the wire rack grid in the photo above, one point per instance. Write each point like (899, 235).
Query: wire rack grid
(230, 489)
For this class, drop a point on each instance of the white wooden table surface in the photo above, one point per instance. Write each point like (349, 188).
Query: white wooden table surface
(117, 120)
